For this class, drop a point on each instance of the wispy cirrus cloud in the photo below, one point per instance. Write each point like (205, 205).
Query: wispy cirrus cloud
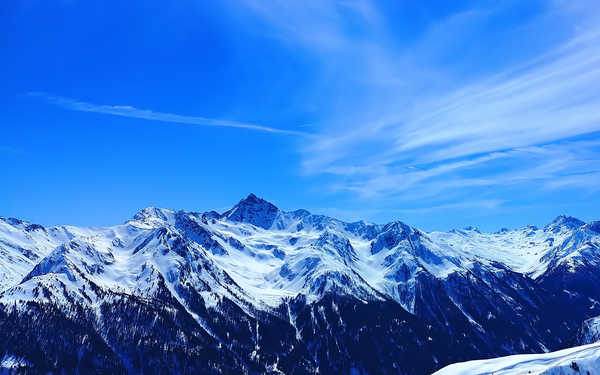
(552, 99)
(146, 114)
(449, 140)
(420, 132)
(548, 167)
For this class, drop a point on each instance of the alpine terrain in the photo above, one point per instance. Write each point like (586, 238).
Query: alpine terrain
(577, 360)
(259, 290)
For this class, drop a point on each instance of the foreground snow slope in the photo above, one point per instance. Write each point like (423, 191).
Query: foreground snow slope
(578, 360)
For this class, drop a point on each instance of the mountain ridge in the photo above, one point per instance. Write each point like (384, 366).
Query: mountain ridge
(463, 294)
(159, 211)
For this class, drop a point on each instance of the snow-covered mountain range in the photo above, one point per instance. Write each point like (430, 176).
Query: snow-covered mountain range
(260, 290)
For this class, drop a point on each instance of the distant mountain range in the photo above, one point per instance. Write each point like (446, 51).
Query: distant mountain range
(259, 290)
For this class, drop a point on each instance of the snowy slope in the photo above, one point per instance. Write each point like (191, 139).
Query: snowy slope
(527, 250)
(578, 360)
(489, 291)
(273, 255)
(23, 244)
(135, 258)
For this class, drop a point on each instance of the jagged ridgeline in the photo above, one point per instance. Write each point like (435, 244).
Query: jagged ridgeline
(258, 290)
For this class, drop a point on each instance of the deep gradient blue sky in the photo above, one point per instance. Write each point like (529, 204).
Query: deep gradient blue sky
(442, 114)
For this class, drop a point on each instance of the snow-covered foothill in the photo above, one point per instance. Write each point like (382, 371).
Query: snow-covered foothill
(577, 360)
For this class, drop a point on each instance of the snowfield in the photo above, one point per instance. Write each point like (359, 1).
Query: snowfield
(578, 360)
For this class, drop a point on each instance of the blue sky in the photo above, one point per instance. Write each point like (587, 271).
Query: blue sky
(441, 114)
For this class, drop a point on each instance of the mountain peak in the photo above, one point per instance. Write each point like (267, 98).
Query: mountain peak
(569, 222)
(253, 210)
(301, 213)
(153, 214)
(252, 199)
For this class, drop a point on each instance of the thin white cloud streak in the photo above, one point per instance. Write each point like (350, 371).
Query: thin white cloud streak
(145, 114)
(548, 167)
